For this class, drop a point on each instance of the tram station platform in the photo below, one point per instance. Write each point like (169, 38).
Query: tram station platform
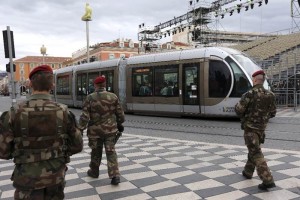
(167, 169)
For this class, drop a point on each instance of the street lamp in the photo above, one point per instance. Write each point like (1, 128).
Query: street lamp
(87, 17)
(43, 52)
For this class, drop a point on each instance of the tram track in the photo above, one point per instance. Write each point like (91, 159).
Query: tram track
(285, 120)
(188, 128)
(282, 132)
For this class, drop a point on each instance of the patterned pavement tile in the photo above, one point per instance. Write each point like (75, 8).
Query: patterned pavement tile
(167, 169)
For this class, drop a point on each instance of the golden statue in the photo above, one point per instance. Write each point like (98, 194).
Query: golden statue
(43, 50)
(88, 13)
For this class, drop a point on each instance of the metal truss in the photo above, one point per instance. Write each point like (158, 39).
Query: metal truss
(196, 20)
(295, 14)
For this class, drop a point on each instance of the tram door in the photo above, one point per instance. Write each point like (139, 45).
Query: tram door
(81, 87)
(190, 88)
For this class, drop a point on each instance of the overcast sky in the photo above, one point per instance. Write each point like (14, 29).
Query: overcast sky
(57, 23)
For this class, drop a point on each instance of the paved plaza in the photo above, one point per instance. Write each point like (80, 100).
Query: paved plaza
(158, 168)
(288, 112)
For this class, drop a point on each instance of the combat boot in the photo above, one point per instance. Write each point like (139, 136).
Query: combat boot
(246, 175)
(93, 174)
(115, 180)
(264, 186)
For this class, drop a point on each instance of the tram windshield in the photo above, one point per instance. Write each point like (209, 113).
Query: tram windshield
(247, 63)
(250, 66)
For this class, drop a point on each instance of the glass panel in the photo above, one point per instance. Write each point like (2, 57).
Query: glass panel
(219, 79)
(249, 65)
(81, 86)
(91, 78)
(142, 82)
(63, 85)
(241, 83)
(166, 81)
(191, 84)
(79, 90)
(84, 84)
(109, 75)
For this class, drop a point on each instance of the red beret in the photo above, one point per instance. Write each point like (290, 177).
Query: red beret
(258, 73)
(44, 68)
(99, 79)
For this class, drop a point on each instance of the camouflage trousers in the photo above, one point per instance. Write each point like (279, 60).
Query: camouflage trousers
(50, 193)
(256, 158)
(96, 155)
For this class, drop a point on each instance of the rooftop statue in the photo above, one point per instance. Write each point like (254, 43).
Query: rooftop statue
(88, 13)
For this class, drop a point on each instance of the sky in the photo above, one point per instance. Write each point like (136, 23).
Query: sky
(57, 23)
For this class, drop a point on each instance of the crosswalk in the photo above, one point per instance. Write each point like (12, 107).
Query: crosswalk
(167, 169)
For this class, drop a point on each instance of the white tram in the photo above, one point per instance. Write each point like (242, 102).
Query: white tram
(198, 82)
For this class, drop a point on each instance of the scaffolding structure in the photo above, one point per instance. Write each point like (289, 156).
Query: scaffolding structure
(295, 14)
(283, 74)
(195, 21)
(200, 23)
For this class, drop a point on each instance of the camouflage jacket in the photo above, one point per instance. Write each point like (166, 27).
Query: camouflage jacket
(39, 135)
(256, 107)
(102, 113)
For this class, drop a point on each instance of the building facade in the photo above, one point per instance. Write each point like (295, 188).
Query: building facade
(105, 51)
(28, 63)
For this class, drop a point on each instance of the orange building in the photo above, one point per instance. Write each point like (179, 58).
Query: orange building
(26, 64)
(120, 48)
(105, 51)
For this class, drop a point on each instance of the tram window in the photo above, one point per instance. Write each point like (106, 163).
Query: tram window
(142, 82)
(109, 75)
(81, 86)
(63, 85)
(248, 64)
(190, 85)
(91, 78)
(166, 81)
(241, 83)
(219, 79)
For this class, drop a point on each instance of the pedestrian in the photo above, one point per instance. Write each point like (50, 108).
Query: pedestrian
(167, 90)
(145, 90)
(103, 116)
(255, 108)
(39, 135)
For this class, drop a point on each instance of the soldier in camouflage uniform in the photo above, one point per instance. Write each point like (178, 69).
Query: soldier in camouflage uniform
(255, 109)
(103, 115)
(40, 136)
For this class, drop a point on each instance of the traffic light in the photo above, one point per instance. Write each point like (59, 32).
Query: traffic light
(8, 67)
(6, 48)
